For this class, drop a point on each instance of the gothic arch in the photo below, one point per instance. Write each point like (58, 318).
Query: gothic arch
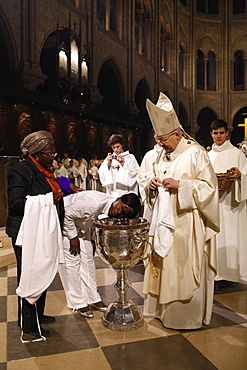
(240, 43)
(8, 56)
(142, 93)
(44, 40)
(207, 43)
(166, 13)
(149, 7)
(183, 117)
(162, 25)
(48, 59)
(237, 49)
(110, 85)
(204, 119)
(182, 36)
(60, 61)
(239, 70)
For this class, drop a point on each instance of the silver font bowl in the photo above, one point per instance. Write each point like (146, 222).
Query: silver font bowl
(122, 243)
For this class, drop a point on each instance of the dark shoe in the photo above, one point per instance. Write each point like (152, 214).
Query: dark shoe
(47, 319)
(231, 284)
(100, 306)
(219, 285)
(45, 333)
(85, 312)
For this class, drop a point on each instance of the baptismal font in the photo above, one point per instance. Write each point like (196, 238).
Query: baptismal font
(122, 243)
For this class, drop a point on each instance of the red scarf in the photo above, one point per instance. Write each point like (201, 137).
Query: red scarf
(48, 175)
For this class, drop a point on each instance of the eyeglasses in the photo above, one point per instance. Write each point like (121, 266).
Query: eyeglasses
(162, 141)
(49, 155)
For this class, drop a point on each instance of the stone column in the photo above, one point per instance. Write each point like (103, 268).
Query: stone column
(29, 69)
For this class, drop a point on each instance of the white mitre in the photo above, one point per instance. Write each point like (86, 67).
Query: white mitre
(162, 115)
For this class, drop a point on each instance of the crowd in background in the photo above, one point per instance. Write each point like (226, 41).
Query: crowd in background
(81, 173)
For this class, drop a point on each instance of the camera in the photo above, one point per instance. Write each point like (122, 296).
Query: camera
(114, 156)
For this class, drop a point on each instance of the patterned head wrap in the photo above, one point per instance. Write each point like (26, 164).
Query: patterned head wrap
(35, 142)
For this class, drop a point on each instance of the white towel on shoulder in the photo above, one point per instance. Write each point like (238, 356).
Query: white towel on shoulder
(162, 224)
(42, 250)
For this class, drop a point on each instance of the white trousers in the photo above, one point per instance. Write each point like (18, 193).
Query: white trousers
(78, 275)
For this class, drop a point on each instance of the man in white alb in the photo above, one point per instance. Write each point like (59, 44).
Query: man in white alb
(231, 242)
(118, 171)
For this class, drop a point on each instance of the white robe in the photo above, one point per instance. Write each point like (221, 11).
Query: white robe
(119, 179)
(73, 172)
(82, 176)
(41, 240)
(94, 171)
(65, 162)
(61, 172)
(179, 288)
(231, 242)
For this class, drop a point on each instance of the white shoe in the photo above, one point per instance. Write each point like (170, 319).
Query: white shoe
(88, 314)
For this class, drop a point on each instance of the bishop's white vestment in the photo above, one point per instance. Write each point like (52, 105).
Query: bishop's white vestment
(145, 174)
(179, 287)
(231, 242)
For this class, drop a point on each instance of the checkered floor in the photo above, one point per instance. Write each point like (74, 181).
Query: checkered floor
(79, 343)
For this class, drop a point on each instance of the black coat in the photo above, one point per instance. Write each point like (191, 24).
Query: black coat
(24, 178)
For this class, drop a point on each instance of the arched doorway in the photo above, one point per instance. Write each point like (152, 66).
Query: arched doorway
(110, 86)
(204, 120)
(183, 117)
(142, 93)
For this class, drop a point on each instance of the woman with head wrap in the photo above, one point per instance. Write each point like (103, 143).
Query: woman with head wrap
(32, 177)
